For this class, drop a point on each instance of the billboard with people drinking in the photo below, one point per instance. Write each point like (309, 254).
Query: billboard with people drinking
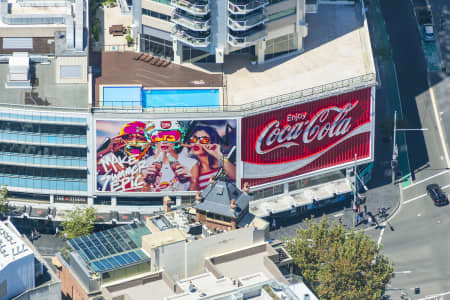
(163, 155)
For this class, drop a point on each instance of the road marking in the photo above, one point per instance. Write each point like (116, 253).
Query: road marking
(403, 272)
(426, 179)
(423, 195)
(414, 199)
(434, 296)
(338, 215)
(381, 236)
(439, 126)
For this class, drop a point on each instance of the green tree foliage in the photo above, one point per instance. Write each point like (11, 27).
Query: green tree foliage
(79, 222)
(340, 265)
(4, 208)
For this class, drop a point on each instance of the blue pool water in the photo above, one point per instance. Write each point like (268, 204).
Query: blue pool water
(122, 96)
(180, 98)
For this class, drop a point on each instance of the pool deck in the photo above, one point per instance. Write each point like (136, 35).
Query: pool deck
(121, 69)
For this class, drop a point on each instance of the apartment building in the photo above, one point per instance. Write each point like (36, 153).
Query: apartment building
(205, 31)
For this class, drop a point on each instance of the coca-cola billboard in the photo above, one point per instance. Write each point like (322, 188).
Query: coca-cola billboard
(307, 137)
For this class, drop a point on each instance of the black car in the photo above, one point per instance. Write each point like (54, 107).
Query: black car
(437, 195)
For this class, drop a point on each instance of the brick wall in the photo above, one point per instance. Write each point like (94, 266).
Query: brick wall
(70, 287)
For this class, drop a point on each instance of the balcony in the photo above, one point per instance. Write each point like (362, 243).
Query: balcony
(189, 38)
(238, 7)
(246, 22)
(196, 8)
(195, 24)
(247, 38)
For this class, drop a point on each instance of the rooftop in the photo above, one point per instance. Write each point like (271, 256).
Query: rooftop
(157, 239)
(45, 92)
(337, 48)
(12, 246)
(113, 248)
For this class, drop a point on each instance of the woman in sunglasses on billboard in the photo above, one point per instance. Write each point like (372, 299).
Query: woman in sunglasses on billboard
(167, 169)
(204, 144)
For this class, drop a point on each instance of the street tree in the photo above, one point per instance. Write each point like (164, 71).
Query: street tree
(4, 208)
(340, 265)
(78, 222)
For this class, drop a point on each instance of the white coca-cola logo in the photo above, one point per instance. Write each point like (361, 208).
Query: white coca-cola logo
(318, 127)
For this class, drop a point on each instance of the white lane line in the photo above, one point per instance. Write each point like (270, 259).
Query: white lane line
(414, 199)
(381, 236)
(403, 272)
(338, 215)
(426, 179)
(439, 126)
(434, 296)
(423, 195)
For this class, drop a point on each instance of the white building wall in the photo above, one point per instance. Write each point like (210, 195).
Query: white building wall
(19, 276)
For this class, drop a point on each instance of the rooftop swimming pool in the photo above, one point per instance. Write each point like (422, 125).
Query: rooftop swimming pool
(118, 96)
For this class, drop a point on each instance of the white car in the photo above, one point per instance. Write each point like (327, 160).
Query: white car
(428, 33)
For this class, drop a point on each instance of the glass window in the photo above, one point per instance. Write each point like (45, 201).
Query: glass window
(268, 192)
(157, 46)
(155, 14)
(281, 14)
(281, 45)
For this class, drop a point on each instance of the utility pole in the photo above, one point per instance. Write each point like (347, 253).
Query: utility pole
(394, 148)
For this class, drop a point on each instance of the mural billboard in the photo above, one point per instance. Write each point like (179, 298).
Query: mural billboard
(163, 155)
(307, 137)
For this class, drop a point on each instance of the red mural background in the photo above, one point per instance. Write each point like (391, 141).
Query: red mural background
(306, 137)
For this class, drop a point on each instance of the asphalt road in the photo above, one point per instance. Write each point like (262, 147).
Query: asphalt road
(419, 246)
(440, 81)
(425, 149)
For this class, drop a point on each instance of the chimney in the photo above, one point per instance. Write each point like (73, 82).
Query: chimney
(233, 204)
(198, 197)
(167, 202)
(246, 188)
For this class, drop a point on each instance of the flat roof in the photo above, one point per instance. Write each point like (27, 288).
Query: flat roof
(45, 92)
(337, 48)
(13, 247)
(154, 289)
(165, 237)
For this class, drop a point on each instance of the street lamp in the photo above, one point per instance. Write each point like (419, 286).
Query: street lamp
(394, 144)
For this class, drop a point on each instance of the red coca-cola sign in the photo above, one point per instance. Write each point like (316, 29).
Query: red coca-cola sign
(306, 137)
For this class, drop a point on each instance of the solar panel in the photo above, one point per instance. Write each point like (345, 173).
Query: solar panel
(120, 260)
(134, 256)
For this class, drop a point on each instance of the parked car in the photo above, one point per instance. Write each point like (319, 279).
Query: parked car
(428, 33)
(437, 195)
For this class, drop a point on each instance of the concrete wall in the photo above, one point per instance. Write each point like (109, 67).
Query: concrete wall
(198, 250)
(171, 258)
(30, 31)
(157, 23)
(158, 7)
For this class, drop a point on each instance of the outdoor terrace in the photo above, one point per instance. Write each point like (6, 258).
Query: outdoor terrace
(337, 48)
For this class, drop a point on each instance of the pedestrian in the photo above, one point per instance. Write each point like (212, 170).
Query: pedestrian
(56, 230)
(32, 235)
(379, 212)
(36, 234)
(357, 219)
(358, 208)
(274, 223)
(340, 220)
(365, 209)
(369, 220)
